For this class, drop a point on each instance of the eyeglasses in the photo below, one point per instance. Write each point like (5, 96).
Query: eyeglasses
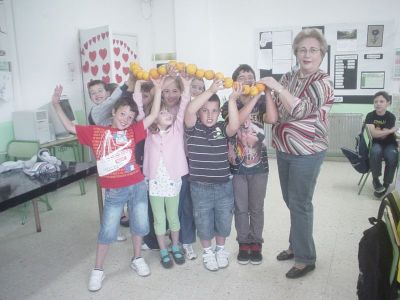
(311, 51)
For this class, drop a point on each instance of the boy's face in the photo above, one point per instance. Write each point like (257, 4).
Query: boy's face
(123, 117)
(97, 93)
(171, 93)
(196, 87)
(246, 77)
(381, 104)
(208, 113)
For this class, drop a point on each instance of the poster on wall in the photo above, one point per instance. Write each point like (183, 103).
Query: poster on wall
(3, 32)
(346, 40)
(105, 57)
(375, 35)
(346, 71)
(372, 80)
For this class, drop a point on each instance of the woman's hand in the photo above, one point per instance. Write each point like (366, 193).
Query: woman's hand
(55, 99)
(271, 83)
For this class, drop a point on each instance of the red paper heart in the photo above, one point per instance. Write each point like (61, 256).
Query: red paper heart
(106, 68)
(85, 45)
(128, 48)
(121, 42)
(125, 70)
(94, 39)
(94, 70)
(117, 64)
(125, 57)
(135, 56)
(103, 53)
(103, 35)
(116, 51)
(82, 51)
(113, 41)
(92, 55)
(106, 79)
(118, 78)
(85, 67)
(98, 37)
(124, 45)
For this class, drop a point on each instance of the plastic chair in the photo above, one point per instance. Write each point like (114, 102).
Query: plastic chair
(24, 150)
(368, 141)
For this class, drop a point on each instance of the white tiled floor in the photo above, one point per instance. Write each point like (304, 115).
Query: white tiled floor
(55, 263)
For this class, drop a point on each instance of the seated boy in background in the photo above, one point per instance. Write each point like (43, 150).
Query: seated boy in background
(381, 125)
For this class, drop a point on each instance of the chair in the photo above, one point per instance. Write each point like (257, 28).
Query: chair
(368, 141)
(24, 150)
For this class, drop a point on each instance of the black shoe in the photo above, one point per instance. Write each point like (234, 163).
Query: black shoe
(243, 257)
(255, 253)
(378, 187)
(381, 194)
(284, 255)
(124, 221)
(297, 273)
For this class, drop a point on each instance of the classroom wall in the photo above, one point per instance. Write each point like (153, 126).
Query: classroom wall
(213, 34)
(224, 32)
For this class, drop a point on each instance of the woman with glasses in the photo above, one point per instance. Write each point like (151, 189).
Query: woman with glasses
(300, 136)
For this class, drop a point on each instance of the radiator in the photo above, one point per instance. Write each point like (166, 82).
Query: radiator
(342, 130)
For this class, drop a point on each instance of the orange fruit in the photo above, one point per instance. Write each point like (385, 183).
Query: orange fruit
(139, 75)
(162, 70)
(133, 66)
(219, 76)
(145, 75)
(260, 87)
(254, 91)
(154, 73)
(191, 69)
(228, 82)
(172, 63)
(235, 85)
(209, 74)
(246, 89)
(199, 73)
(136, 71)
(180, 66)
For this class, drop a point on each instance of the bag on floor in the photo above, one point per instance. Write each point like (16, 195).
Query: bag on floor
(375, 255)
(358, 158)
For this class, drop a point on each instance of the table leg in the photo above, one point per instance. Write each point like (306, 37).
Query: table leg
(36, 213)
(99, 198)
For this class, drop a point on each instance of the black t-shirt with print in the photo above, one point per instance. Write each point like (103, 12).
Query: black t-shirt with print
(388, 120)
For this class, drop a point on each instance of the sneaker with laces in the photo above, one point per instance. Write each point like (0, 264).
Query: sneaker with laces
(222, 258)
(140, 266)
(243, 257)
(378, 187)
(255, 254)
(96, 278)
(210, 261)
(189, 252)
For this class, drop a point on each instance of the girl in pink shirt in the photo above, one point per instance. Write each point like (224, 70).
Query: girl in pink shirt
(164, 165)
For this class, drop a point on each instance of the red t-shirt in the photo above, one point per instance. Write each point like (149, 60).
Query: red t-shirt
(115, 152)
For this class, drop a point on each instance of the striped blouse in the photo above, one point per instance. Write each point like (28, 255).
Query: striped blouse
(304, 129)
(208, 153)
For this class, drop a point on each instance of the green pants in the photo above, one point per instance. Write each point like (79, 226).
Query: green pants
(165, 208)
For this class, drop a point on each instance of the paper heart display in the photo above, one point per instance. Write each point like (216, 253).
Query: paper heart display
(103, 53)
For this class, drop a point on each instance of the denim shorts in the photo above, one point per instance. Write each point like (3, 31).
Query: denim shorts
(136, 197)
(212, 208)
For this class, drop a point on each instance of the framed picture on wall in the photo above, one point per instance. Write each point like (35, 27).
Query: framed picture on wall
(373, 80)
(375, 35)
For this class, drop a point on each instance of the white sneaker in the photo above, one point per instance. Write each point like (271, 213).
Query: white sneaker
(222, 258)
(96, 278)
(189, 252)
(140, 266)
(121, 237)
(144, 247)
(209, 261)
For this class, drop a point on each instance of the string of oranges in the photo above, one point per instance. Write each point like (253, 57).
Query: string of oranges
(193, 70)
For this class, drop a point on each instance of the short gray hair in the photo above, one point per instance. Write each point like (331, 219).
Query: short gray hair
(310, 33)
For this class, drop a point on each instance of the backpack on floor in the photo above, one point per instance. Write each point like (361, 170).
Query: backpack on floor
(359, 157)
(375, 258)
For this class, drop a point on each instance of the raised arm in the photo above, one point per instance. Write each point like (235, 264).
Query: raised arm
(234, 120)
(288, 100)
(271, 111)
(55, 100)
(194, 106)
(137, 97)
(155, 109)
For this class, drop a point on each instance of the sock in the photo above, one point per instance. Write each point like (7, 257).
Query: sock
(219, 247)
(208, 250)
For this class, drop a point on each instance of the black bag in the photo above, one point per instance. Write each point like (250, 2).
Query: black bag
(375, 255)
(359, 157)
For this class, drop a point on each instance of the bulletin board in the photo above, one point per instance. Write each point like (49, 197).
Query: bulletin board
(359, 59)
